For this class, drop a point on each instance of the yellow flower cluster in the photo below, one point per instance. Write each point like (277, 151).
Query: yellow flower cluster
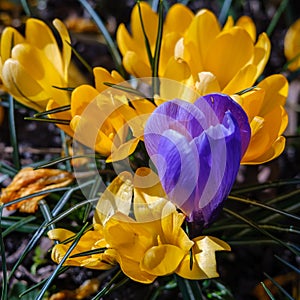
(150, 244)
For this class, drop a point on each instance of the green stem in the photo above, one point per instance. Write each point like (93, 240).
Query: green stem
(13, 133)
(276, 17)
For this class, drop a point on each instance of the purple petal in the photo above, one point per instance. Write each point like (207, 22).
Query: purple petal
(221, 150)
(221, 103)
(179, 115)
(177, 164)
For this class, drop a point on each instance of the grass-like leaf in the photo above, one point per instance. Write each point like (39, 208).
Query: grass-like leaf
(52, 111)
(70, 210)
(13, 133)
(190, 289)
(268, 291)
(106, 289)
(261, 230)
(90, 252)
(17, 225)
(280, 288)
(262, 205)
(224, 11)
(48, 120)
(155, 61)
(3, 262)
(295, 269)
(81, 59)
(276, 17)
(146, 40)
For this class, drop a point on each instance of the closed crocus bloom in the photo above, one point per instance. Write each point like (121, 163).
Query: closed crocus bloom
(31, 65)
(206, 50)
(267, 117)
(292, 46)
(197, 149)
(133, 47)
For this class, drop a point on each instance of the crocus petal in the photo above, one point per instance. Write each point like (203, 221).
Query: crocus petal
(116, 198)
(204, 258)
(39, 35)
(162, 260)
(66, 48)
(276, 90)
(221, 103)
(262, 50)
(248, 24)
(205, 21)
(9, 38)
(135, 65)
(102, 75)
(13, 75)
(232, 57)
(133, 270)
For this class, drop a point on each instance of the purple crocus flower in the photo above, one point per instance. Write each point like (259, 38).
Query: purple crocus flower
(197, 149)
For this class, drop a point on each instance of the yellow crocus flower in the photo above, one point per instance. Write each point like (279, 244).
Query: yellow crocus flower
(215, 59)
(32, 65)
(267, 117)
(148, 243)
(292, 45)
(132, 46)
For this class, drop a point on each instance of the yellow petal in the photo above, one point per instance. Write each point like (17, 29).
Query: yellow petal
(262, 50)
(116, 198)
(39, 35)
(178, 12)
(27, 92)
(66, 47)
(129, 238)
(124, 151)
(162, 260)
(208, 83)
(243, 79)
(248, 24)
(134, 65)
(150, 21)
(204, 257)
(230, 51)
(102, 75)
(81, 97)
(60, 234)
(44, 71)
(9, 38)
(197, 41)
(131, 268)
(276, 90)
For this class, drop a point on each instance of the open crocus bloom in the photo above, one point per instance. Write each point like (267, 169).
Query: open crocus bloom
(148, 243)
(292, 46)
(267, 117)
(101, 117)
(31, 65)
(197, 149)
(206, 50)
(132, 46)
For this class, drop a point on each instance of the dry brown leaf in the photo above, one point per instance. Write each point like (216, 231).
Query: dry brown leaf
(88, 288)
(29, 181)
